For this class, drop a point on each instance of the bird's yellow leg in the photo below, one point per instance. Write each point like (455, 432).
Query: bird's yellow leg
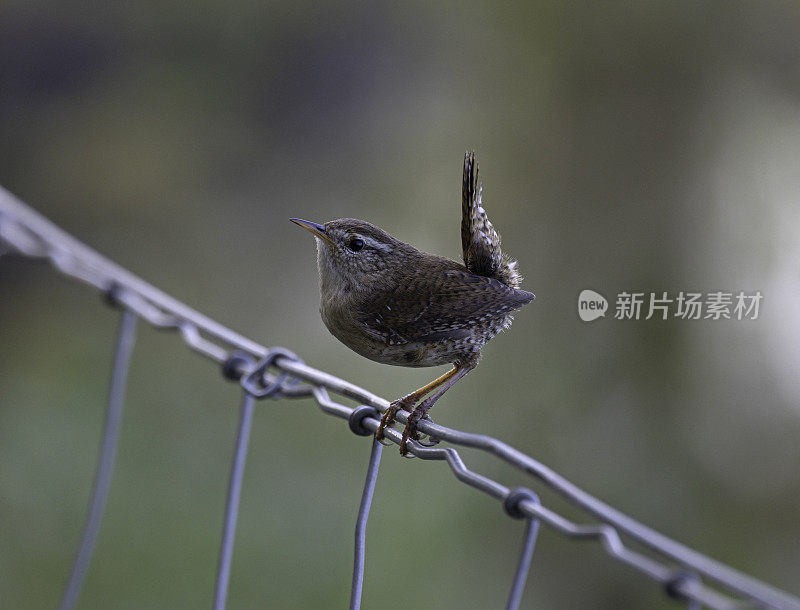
(421, 410)
(407, 402)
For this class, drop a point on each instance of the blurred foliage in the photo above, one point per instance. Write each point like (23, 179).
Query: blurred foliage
(648, 146)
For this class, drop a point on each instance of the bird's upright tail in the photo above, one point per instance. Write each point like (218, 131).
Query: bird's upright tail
(479, 239)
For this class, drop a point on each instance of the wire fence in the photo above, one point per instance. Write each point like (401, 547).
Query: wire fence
(684, 574)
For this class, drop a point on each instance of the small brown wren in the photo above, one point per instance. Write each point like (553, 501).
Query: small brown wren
(391, 303)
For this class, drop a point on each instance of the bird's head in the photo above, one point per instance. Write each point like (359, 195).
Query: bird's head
(353, 253)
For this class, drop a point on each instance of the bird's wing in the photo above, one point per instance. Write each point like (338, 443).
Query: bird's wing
(479, 239)
(444, 304)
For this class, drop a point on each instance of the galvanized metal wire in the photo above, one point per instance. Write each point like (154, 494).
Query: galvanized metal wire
(359, 556)
(105, 463)
(511, 504)
(232, 506)
(682, 572)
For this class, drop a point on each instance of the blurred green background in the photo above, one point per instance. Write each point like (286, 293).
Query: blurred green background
(641, 146)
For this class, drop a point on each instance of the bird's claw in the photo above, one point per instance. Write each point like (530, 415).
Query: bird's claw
(432, 440)
(404, 443)
(387, 419)
(410, 432)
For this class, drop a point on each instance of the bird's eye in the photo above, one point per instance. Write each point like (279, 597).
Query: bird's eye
(355, 244)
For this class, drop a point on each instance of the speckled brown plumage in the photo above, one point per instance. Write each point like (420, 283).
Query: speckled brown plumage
(391, 303)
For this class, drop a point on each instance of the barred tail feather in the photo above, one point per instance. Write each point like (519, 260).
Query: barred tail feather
(480, 241)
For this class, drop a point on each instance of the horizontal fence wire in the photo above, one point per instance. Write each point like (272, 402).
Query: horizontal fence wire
(684, 573)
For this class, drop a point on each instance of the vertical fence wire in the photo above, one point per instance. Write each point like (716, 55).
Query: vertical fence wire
(512, 506)
(105, 464)
(524, 564)
(361, 525)
(232, 503)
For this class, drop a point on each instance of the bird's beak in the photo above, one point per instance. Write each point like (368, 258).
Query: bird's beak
(316, 229)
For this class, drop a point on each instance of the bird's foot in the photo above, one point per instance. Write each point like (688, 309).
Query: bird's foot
(432, 440)
(410, 431)
(388, 419)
